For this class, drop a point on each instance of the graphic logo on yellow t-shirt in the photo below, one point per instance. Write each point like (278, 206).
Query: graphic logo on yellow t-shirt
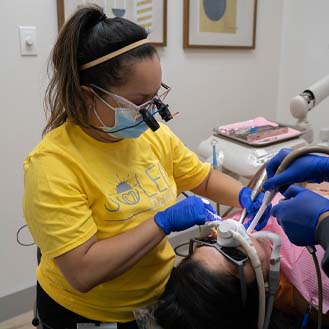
(127, 194)
(148, 190)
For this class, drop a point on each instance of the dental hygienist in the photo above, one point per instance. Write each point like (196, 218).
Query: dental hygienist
(100, 188)
(304, 215)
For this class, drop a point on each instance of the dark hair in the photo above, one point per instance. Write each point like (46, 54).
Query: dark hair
(86, 36)
(197, 298)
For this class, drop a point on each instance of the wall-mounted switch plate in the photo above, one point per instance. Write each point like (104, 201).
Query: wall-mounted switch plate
(28, 40)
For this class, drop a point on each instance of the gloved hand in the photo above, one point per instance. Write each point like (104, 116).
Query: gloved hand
(252, 208)
(298, 214)
(307, 168)
(184, 214)
(263, 220)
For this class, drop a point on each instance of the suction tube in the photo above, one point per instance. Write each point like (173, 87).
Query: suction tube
(274, 274)
(231, 233)
(255, 262)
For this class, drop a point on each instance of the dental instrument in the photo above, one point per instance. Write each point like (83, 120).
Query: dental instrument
(215, 166)
(214, 155)
(255, 191)
(267, 199)
(269, 195)
(243, 160)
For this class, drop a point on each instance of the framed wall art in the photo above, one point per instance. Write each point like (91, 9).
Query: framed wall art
(219, 23)
(151, 14)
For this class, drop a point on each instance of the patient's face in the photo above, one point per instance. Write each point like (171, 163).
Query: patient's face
(213, 260)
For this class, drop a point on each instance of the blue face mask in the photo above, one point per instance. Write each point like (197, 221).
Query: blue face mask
(128, 122)
(127, 125)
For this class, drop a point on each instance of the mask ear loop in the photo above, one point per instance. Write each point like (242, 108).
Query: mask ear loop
(94, 109)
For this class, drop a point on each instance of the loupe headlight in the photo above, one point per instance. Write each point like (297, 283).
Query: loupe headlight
(163, 109)
(149, 119)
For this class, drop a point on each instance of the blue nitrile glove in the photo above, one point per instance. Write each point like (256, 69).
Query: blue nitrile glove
(263, 220)
(298, 214)
(307, 168)
(252, 208)
(185, 214)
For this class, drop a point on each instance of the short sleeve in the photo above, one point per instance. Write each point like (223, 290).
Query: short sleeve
(189, 172)
(55, 207)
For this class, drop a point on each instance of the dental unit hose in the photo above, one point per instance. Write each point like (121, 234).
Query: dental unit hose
(312, 251)
(268, 197)
(274, 273)
(233, 234)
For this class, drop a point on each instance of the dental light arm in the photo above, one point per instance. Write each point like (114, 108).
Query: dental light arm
(301, 104)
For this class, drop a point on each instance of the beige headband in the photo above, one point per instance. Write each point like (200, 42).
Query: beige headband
(113, 54)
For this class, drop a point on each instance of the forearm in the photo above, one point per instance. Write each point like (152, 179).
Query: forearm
(106, 259)
(220, 188)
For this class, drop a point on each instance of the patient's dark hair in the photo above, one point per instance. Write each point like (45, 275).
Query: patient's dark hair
(197, 298)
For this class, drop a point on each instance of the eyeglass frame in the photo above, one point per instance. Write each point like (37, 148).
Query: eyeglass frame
(239, 263)
(132, 105)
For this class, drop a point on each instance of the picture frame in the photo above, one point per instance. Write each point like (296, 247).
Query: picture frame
(151, 14)
(219, 24)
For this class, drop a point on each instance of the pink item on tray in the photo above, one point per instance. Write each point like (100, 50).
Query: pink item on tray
(258, 131)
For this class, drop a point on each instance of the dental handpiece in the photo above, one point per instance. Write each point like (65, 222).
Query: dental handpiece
(255, 191)
(268, 197)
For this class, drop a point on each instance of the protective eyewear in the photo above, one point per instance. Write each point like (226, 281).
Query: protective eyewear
(123, 102)
(233, 255)
(145, 110)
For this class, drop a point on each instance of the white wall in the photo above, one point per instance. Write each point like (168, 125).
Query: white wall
(214, 87)
(210, 88)
(304, 57)
(21, 88)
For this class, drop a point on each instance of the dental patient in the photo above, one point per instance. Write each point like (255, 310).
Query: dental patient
(205, 291)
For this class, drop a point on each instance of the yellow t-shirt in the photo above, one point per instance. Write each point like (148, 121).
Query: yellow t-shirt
(76, 187)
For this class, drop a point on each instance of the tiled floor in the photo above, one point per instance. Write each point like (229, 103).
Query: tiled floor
(22, 321)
